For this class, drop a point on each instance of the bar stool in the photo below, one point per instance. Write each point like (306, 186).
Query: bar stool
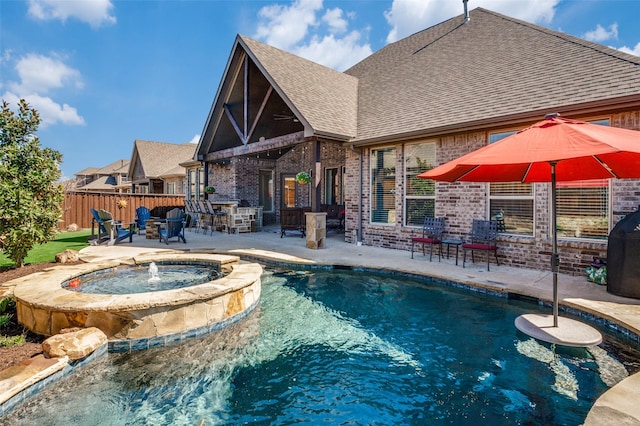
(219, 218)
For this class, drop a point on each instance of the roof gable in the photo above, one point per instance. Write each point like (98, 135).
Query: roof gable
(326, 98)
(154, 159)
(267, 91)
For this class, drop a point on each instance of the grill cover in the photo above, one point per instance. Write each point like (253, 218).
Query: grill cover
(623, 257)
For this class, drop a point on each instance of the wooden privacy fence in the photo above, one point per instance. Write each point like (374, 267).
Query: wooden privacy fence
(77, 205)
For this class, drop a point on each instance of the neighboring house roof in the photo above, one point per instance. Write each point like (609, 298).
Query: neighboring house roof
(153, 159)
(101, 184)
(456, 75)
(89, 171)
(326, 99)
(177, 171)
(117, 167)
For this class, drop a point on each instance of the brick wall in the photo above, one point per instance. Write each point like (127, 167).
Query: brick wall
(238, 178)
(461, 202)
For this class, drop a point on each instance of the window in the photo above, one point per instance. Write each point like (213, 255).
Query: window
(195, 183)
(582, 207)
(332, 187)
(420, 194)
(171, 188)
(265, 190)
(288, 191)
(200, 182)
(511, 201)
(344, 183)
(383, 186)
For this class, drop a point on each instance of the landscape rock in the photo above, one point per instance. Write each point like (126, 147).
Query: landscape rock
(73, 228)
(66, 256)
(76, 344)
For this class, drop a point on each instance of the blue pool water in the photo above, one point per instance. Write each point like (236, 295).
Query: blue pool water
(137, 279)
(345, 348)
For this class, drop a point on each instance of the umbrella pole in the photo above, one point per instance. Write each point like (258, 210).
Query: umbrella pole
(555, 258)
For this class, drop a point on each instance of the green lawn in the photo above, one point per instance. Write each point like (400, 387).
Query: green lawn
(47, 252)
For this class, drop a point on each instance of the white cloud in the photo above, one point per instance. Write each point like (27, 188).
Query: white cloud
(95, 12)
(333, 18)
(195, 139)
(38, 76)
(336, 53)
(409, 16)
(50, 112)
(601, 34)
(634, 51)
(284, 26)
(297, 29)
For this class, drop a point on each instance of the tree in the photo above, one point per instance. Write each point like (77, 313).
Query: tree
(30, 198)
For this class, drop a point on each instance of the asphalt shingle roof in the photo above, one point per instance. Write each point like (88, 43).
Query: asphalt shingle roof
(88, 171)
(118, 166)
(490, 67)
(157, 158)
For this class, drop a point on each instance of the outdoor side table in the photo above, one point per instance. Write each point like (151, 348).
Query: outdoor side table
(150, 229)
(158, 226)
(453, 242)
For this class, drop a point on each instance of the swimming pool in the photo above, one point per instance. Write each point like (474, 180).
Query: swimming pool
(345, 347)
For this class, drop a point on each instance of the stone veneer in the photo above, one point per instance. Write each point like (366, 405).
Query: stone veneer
(45, 307)
(316, 230)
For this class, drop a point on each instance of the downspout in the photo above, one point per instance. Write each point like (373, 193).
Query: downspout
(360, 180)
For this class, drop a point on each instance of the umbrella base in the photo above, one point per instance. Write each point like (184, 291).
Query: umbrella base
(568, 332)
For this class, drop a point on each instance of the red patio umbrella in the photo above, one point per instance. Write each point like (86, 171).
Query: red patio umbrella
(554, 149)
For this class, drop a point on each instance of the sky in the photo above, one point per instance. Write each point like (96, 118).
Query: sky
(102, 73)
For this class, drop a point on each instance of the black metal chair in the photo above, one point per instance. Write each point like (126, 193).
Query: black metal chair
(482, 237)
(432, 231)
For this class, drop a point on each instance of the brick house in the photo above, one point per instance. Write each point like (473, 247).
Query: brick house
(365, 134)
(155, 167)
(110, 178)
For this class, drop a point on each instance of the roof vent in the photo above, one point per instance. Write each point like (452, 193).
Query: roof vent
(466, 11)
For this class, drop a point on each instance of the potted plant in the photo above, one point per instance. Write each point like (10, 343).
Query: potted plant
(303, 178)
(209, 189)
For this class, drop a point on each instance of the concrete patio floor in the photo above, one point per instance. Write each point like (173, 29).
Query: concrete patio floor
(617, 406)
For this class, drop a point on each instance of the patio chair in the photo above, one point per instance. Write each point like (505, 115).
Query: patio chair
(173, 226)
(206, 216)
(192, 211)
(432, 231)
(103, 235)
(143, 214)
(482, 237)
(114, 229)
(293, 219)
(218, 218)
